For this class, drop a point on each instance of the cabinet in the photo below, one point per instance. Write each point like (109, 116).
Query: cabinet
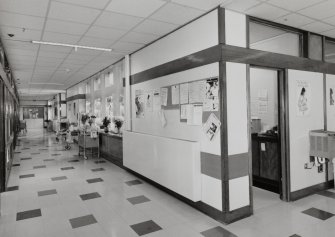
(111, 148)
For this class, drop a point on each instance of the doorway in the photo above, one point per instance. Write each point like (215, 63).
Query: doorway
(267, 123)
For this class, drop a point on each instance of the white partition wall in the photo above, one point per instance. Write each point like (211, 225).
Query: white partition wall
(301, 122)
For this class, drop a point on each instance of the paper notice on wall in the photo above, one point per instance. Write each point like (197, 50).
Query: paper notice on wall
(183, 112)
(262, 107)
(164, 96)
(303, 98)
(263, 95)
(212, 127)
(162, 118)
(197, 91)
(331, 96)
(184, 93)
(211, 100)
(156, 100)
(175, 94)
(149, 101)
(194, 114)
(139, 104)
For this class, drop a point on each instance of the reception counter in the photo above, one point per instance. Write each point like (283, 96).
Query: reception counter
(111, 148)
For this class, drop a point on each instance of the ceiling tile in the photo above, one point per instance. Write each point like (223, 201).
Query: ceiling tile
(95, 42)
(19, 45)
(24, 52)
(31, 7)
(118, 21)
(176, 14)
(241, 5)
(73, 13)
(99, 4)
(318, 27)
(126, 47)
(21, 21)
(54, 49)
(105, 33)
(330, 33)
(65, 27)
(294, 5)
(19, 34)
(141, 38)
(295, 20)
(200, 4)
(155, 27)
(267, 11)
(60, 38)
(141, 8)
(320, 11)
(330, 20)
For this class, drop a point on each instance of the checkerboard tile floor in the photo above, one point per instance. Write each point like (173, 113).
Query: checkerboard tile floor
(47, 197)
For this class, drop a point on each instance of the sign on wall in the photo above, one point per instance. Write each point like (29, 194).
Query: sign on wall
(303, 98)
(33, 113)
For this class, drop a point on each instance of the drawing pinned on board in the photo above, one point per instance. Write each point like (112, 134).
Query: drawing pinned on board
(149, 101)
(162, 118)
(212, 126)
(156, 100)
(183, 112)
(184, 93)
(211, 100)
(175, 94)
(109, 106)
(164, 96)
(304, 98)
(197, 91)
(139, 103)
(194, 114)
(331, 96)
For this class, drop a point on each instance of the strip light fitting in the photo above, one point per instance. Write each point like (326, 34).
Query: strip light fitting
(71, 46)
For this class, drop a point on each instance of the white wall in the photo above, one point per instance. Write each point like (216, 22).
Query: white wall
(264, 79)
(235, 27)
(33, 103)
(194, 37)
(301, 125)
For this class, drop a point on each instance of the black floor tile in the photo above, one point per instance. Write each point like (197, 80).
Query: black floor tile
(133, 182)
(98, 169)
(26, 176)
(35, 153)
(49, 159)
(146, 227)
(73, 160)
(28, 214)
(27, 158)
(40, 166)
(55, 154)
(82, 221)
(25, 148)
(317, 213)
(17, 152)
(89, 196)
(99, 161)
(58, 178)
(67, 168)
(47, 192)
(327, 194)
(95, 180)
(295, 235)
(16, 165)
(12, 188)
(217, 232)
(138, 199)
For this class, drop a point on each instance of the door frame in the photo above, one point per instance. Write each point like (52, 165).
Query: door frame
(283, 128)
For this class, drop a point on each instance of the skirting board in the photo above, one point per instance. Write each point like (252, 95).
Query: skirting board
(296, 195)
(237, 214)
(203, 207)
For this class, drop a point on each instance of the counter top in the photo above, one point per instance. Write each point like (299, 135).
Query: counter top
(110, 134)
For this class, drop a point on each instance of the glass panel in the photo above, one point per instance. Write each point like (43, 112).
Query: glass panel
(315, 47)
(330, 51)
(272, 39)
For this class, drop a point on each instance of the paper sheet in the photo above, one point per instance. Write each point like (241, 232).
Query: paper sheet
(183, 111)
(212, 127)
(197, 91)
(156, 100)
(194, 114)
(211, 101)
(149, 101)
(175, 94)
(164, 96)
(139, 104)
(184, 93)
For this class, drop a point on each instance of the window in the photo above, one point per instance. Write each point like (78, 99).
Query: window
(315, 47)
(88, 88)
(109, 79)
(274, 39)
(97, 83)
(330, 51)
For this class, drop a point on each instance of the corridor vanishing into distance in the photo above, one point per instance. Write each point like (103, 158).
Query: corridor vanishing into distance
(53, 192)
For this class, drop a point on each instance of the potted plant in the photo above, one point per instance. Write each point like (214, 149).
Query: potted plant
(118, 122)
(84, 118)
(106, 121)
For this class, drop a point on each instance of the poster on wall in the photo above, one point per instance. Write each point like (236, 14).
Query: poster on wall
(109, 106)
(183, 112)
(97, 107)
(197, 91)
(164, 96)
(175, 94)
(139, 104)
(194, 114)
(211, 100)
(262, 101)
(303, 98)
(121, 102)
(156, 100)
(184, 93)
(149, 101)
(109, 79)
(33, 113)
(331, 96)
(74, 108)
(212, 127)
(88, 106)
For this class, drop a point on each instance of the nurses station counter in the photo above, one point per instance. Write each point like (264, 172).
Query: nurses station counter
(111, 147)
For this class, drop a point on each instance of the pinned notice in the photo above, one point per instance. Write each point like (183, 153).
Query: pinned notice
(184, 93)
(212, 127)
(164, 96)
(175, 94)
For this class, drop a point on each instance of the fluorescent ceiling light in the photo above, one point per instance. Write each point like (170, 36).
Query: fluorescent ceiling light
(71, 46)
(45, 83)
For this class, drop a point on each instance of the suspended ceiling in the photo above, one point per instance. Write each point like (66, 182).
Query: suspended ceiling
(124, 26)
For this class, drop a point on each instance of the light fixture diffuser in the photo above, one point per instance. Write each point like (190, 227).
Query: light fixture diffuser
(71, 46)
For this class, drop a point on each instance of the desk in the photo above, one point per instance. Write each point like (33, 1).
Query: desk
(111, 148)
